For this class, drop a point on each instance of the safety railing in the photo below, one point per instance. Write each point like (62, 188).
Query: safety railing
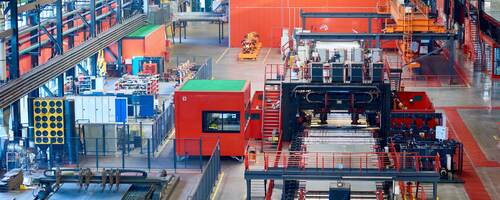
(433, 81)
(97, 152)
(410, 191)
(274, 72)
(416, 80)
(334, 161)
(211, 172)
(202, 65)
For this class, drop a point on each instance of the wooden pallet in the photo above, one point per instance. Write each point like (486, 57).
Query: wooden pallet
(248, 56)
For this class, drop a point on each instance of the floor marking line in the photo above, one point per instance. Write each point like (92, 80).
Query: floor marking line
(222, 55)
(477, 187)
(465, 135)
(217, 185)
(267, 55)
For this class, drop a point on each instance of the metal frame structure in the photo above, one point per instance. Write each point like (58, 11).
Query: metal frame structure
(296, 96)
(341, 166)
(53, 179)
(369, 16)
(181, 19)
(56, 64)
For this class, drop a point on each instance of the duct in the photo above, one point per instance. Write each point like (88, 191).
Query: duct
(30, 81)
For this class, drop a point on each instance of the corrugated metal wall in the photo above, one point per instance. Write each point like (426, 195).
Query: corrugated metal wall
(269, 17)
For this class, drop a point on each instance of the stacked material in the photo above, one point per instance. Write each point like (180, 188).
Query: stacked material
(138, 85)
(184, 72)
(12, 180)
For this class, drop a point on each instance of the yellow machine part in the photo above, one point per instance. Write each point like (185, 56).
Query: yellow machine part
(48, 115)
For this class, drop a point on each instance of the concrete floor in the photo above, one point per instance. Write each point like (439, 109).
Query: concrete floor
(481, 92)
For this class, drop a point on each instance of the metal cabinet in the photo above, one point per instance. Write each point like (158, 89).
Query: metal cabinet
(100, 109)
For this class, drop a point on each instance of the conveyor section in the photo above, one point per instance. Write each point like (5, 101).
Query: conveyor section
(32, 80)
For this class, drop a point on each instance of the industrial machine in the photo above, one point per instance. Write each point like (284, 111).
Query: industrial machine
(250, 46)
(341, 118)
(142, 185)
(146, 65)
(53, 131)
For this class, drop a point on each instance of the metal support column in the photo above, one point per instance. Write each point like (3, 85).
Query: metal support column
(385, 114)
(434, 191)
(119, 59)
(377, 41)
(249, 189)
(70, 6)
(451, 49)
(14, 67)
(59, 41)
(369, 31)
(33, 20)
(92, 29)
(219, 29)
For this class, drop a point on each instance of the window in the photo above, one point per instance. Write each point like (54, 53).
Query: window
(221, 122)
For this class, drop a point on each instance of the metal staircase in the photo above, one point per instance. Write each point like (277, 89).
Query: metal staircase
(395, 78)
(271, 130)
(258, 190)
(271, 108)
(291, 187)
(477, 54)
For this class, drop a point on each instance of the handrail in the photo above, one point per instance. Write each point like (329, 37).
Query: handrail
(353, 161)
(211, 171)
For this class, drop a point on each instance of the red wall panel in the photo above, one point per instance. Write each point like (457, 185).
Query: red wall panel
(269, 17)
(188, 121)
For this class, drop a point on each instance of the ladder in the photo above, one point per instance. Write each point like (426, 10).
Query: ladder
(408, 35)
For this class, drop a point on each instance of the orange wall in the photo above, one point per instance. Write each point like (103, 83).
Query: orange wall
(269, 17)
(153, 45)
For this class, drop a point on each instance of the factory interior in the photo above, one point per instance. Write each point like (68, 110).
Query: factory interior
(250, 99)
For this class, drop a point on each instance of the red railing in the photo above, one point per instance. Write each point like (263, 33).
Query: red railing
(274, 72)
(343, 161)
(410, 191)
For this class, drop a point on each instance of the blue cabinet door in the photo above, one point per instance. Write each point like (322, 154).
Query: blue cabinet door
(121, 109)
